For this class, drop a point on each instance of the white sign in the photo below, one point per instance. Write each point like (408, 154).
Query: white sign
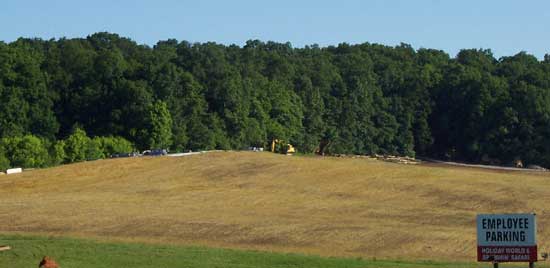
(506, 237)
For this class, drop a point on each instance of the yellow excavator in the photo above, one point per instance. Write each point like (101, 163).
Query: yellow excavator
(279, 146)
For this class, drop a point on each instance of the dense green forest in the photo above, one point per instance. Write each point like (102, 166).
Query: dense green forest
(75, 99)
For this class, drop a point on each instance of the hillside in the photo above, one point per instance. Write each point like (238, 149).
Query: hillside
(263, 201)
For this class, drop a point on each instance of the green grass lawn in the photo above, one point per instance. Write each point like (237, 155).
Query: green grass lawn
(28, 250)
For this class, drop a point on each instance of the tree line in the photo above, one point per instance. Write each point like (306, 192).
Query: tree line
(351, 99)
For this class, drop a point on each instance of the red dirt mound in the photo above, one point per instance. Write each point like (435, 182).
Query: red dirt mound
(47, 262)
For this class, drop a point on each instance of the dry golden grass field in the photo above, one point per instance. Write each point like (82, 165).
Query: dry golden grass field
(264, 201)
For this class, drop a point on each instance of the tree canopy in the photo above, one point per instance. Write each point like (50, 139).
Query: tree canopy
(360, 99)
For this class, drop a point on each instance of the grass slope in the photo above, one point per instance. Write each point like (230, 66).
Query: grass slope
(263, 201)
(27, 252)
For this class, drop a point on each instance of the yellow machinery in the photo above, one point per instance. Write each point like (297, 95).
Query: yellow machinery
(279, 146)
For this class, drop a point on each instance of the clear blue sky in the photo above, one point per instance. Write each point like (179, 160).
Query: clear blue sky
(504, 26)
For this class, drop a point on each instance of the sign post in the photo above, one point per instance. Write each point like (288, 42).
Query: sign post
(507, 238)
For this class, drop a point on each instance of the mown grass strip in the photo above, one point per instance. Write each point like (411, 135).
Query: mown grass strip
(28, 250)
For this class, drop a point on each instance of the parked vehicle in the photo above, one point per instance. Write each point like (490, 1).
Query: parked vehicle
(155, 152)
(280, 146)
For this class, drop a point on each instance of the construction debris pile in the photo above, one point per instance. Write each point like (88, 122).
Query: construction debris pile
(388, 158)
